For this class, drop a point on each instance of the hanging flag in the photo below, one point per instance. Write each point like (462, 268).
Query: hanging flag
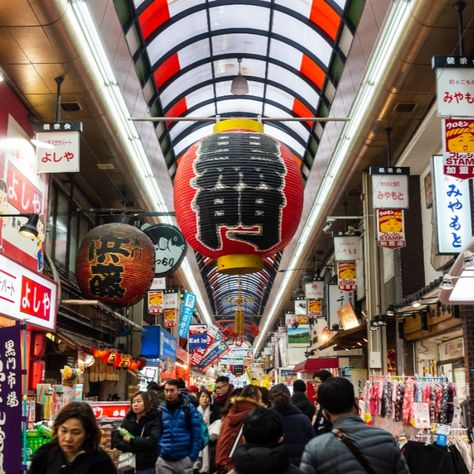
(187, 311)
(391, 228)
(346, 276)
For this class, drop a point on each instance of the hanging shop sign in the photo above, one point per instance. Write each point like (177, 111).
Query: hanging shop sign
(298, 336)
(315, 308)
(452, 204)
(170, 318)
(314, 290)
(110, 410)
(345, 247)
(57, 147)
(155, 302)
(197, 336)
(391, 228)
(11, 400)
(346, 276)
(22, 189)
(290, 318)
(158, 284)
(301, 307)
(454, 85)
(347, 317)
(213, 334)
(389, 187)
(170, 300)
(26, 295)
(458, 147)
(336, 298)
(238, 196)
(187, 311)
(212, 356)
(170, 247)
(115, 264)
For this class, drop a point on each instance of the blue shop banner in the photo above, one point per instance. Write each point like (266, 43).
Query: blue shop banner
(11, 400)
(187, 311)
(158, 343)
(215, 352)
(197, 337)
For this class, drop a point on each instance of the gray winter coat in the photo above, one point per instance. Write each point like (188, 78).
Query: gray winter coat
(326, 454)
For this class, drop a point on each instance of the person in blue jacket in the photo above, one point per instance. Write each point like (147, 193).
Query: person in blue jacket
(180, 440)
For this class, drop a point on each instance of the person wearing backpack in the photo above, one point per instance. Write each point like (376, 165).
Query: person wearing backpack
(202, 465)
(181, 437)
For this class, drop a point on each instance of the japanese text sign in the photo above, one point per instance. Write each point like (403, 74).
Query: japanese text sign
(390, 228)
(197, 336)
(454, 85)
(215, 352)
(10, 400)
(170, 318)
(58, 152)
(314, 290)
(346, 276)
(155, 302)
(458, 147)
(389, 188)
(452, 202)
(347, 317)
(110, 410)
(300, 307)
(345, 247)
(187, 311)
(213, 334)
(315, 308)
(27, 295)
(170, 300)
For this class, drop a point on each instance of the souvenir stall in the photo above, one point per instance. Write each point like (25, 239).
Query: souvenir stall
(424, 416)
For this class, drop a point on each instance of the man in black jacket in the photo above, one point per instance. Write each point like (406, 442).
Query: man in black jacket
(263, 450)
(300, 400)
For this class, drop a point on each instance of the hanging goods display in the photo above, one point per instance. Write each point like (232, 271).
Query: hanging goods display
(238, 196)
(115, 264)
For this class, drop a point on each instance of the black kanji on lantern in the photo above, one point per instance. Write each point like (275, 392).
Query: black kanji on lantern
(239, 183)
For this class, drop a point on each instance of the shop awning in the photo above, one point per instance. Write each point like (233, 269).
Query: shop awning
(315, 364)
(353, 338)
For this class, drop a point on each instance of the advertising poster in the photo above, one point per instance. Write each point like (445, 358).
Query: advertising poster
(299, 336)
(458, 147)
(170, 318)
(170, 300)
(155, 302)
(215, 352)
(197, 337)
(347, 317)
(391, 228)
(346, 276)
(314, 290)
(315, 308)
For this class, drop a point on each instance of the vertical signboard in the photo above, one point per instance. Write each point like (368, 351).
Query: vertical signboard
(389, 187)
(452, 201)
(458, 147)
(10, 400)
(391, 228)
(187, 311)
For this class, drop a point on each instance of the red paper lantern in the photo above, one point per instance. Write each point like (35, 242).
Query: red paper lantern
(115, 264)
(117, 360)
(134, 365)
(100, 353)
(112, 357)
(238, 196)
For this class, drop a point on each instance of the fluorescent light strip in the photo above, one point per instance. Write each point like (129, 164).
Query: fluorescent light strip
(99, 67)
(382, 55)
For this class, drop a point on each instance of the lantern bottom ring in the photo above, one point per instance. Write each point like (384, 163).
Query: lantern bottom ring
(239, 263)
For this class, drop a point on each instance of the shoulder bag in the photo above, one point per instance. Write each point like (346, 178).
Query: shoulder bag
(341, 436)
(128, 461)
(215, 429)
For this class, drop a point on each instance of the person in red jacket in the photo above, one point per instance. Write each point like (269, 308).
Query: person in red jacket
(249, 399)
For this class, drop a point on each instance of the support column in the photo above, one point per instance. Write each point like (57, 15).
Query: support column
(377, 354)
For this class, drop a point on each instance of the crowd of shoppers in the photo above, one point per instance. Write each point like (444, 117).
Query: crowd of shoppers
(254, 431)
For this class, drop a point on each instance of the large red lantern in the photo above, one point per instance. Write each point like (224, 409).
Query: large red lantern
(238, 196)
(115, 264)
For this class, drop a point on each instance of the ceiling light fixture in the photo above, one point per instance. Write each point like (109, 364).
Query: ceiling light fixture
(88, 41)
(393, 29)
(240, 85)
(29, 229)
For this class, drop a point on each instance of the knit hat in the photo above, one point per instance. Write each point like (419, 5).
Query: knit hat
(279, 388)
(299, 386)
(193, 389)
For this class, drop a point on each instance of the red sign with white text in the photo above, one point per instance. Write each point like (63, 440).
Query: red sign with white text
(111, 410)
(27, 296)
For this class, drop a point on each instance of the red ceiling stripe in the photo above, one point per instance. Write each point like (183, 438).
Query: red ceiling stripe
(301, 110)
(177, 110)
(167, 70)
(153, 17)
(312, 71)
(325, 17)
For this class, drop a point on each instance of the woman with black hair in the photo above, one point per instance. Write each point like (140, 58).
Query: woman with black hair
(297, 428)
(75, 445)
(140, 432)
(320, 423)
